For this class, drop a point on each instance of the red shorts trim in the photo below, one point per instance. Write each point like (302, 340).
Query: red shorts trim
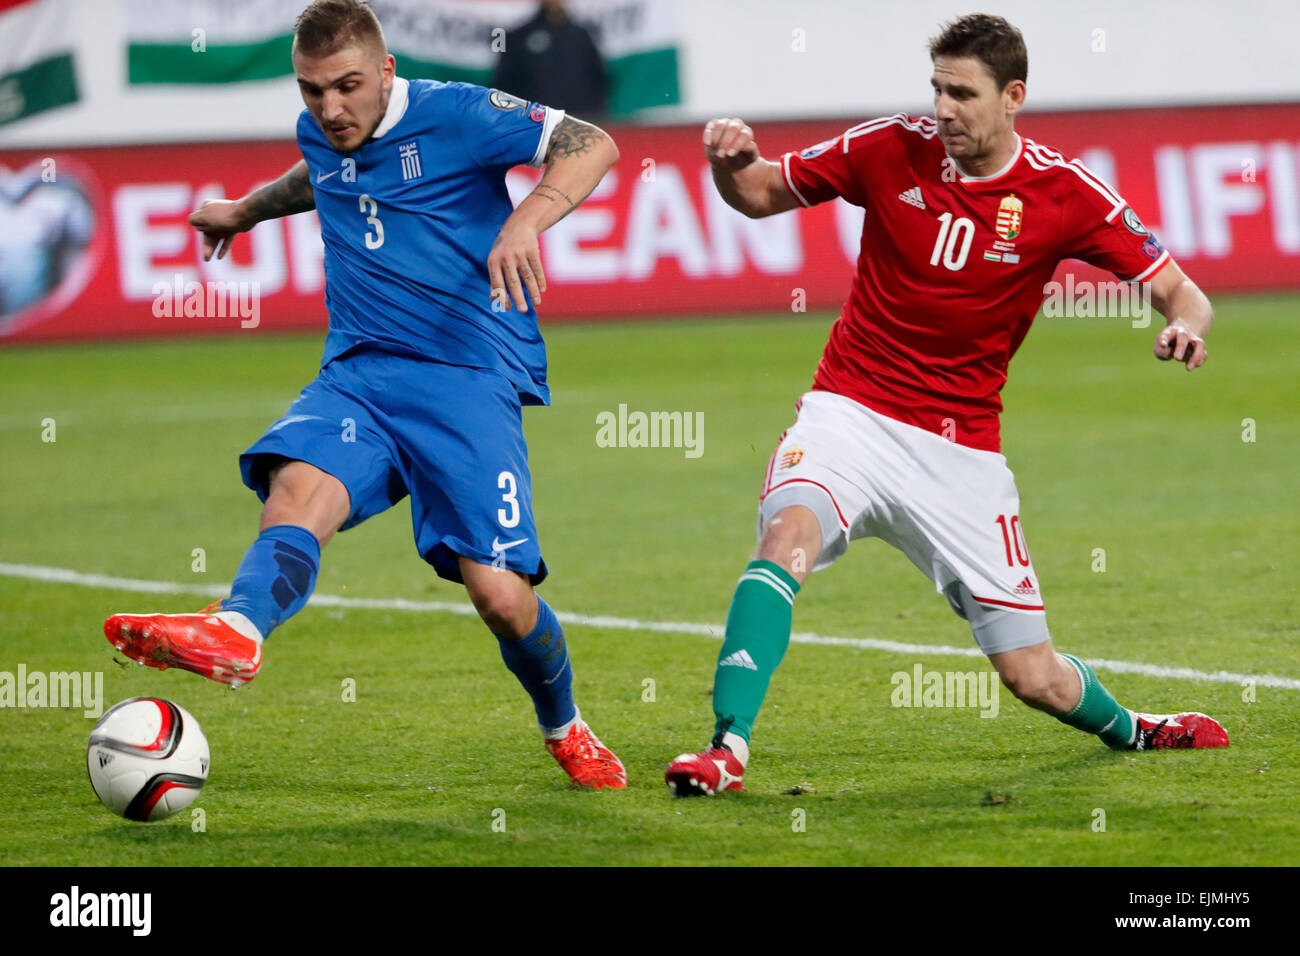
(1018, 607)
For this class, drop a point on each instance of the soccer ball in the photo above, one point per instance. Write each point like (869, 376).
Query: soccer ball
(147, 758)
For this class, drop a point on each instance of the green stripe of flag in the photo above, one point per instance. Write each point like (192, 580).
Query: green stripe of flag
(637, 81)
(445, 72)
(178, 63)
(42, 86)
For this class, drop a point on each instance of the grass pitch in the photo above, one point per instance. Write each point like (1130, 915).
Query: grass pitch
(1111, 450)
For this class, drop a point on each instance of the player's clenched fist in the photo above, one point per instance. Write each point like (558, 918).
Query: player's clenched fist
(729, 143)
(1181, 344)
(514, 263)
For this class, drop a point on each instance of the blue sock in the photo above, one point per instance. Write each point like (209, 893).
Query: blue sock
(276, 577)
(540, 659)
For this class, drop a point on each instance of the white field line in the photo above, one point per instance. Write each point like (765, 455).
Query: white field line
(147, 414)
(64, 576)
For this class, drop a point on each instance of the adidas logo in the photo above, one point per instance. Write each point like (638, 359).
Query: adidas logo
(1026, 587)
(740, 659)
(913, 197)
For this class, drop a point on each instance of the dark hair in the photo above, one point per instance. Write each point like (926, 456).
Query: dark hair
(329, 25)
(991, 40)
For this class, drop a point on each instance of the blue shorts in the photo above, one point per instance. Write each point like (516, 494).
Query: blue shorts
(449, 436)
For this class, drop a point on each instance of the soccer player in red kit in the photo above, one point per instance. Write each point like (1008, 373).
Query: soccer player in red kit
(965, 222)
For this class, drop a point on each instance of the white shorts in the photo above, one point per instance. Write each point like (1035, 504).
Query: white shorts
(953, 510)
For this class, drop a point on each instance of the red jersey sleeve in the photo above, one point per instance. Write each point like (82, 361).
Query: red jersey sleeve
(1105, 231)
(842, 166)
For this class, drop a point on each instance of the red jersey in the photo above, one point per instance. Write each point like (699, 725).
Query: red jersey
(953, 268)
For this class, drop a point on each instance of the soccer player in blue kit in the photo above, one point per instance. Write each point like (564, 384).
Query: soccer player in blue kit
(431, 283)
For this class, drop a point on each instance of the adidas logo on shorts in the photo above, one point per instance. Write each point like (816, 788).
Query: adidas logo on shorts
(740, 659)
(913, 197)
(1026, 587)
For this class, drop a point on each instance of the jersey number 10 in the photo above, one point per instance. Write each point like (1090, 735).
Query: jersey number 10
(1012, 536)
(951, 235)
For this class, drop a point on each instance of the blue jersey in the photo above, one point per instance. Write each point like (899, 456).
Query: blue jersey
(408, 220)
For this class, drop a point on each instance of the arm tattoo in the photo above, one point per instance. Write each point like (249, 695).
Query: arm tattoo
(572, 138)
(291, 193)
(557, 192)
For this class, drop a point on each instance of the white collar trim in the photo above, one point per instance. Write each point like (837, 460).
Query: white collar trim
(1015, 156)
(398, 98)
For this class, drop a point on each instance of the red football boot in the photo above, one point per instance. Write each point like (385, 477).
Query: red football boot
(202, 643)
(707, 773)
(588, 762)
(1178, 731)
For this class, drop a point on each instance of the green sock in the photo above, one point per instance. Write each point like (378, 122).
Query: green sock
(758, 632)
(1097, 711)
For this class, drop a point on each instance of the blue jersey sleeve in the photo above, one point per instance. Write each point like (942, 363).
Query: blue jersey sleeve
(502, 130)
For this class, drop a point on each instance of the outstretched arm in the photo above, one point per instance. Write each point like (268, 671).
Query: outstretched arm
(1188, 316)
(746, 181)
(221, 219)
(577, 157)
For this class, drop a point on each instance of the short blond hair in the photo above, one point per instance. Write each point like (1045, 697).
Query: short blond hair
(327, 26)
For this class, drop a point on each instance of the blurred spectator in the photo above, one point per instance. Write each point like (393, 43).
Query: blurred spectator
(552, 59)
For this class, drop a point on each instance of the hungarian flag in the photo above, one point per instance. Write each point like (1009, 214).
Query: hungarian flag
(37, 67)
(231, 41)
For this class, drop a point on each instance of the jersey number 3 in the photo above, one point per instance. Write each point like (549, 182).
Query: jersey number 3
(373, 239)
(953, 243)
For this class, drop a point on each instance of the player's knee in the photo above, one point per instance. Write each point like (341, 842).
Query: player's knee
(1031, 685)
(506, 604)
(792, 539)
(303, 495)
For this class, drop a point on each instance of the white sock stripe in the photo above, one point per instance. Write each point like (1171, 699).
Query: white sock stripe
(772, 581)
(1083, 683)
(771, 578)
(776, 580)
(1083, 675)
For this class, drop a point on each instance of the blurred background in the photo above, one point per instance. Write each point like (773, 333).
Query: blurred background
(118, 116)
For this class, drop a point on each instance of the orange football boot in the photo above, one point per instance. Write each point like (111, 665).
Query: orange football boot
(588, 762)
(202, 643)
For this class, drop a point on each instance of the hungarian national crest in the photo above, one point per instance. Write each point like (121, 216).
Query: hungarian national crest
(1011, 216)
(791, 458)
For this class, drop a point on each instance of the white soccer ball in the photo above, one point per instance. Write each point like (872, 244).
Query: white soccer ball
(147, 758)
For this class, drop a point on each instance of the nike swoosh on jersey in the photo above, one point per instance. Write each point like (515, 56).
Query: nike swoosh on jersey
(321, 179)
